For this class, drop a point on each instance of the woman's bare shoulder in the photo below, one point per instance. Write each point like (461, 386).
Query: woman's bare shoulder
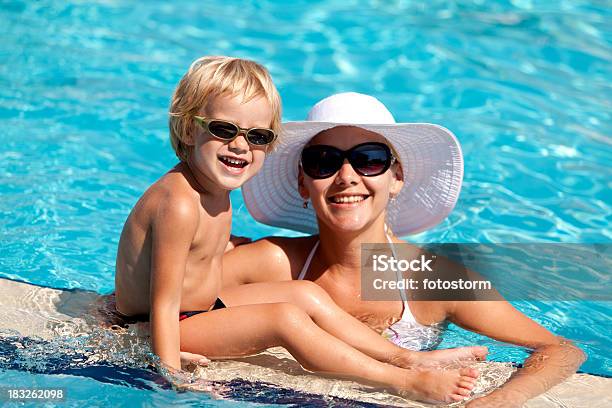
(270, 258)
(291, 252)
(293, 246)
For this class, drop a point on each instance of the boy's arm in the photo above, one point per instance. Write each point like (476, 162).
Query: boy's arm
(173, 229)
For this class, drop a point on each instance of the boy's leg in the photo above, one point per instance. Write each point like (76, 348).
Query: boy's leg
(313, 299)
(332, 318)
(244, 330)
(249, 329)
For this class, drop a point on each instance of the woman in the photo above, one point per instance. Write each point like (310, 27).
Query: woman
(358, 179)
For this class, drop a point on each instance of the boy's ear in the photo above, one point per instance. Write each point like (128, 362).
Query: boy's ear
(188, 138)
(301, 188)
(189, 133)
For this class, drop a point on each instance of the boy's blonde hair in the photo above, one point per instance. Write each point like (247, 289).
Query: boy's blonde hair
(212, 76)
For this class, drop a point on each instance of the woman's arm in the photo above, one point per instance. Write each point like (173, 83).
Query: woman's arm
(553, 359)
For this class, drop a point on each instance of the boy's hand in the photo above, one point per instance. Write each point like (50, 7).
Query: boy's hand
(185, 381)
(235, 241)
(188, 359)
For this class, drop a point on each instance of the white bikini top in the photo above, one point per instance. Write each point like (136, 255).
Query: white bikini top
(406, 332)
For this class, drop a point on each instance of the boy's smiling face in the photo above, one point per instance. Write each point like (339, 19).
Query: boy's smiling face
(211, 156)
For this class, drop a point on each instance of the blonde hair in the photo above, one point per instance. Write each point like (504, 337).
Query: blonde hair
(212, 76)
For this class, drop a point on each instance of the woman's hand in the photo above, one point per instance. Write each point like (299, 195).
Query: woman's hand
(498, 399)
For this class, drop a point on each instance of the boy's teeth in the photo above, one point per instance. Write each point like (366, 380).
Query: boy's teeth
(348, 199)
(230, 160)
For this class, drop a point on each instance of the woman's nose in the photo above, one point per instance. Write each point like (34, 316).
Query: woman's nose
(346, 175)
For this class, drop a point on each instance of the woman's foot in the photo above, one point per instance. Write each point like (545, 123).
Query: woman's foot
(439, 386)
(439, 358)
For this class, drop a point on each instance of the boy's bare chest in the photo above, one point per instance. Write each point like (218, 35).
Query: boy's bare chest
(212, 235)
(202, 280)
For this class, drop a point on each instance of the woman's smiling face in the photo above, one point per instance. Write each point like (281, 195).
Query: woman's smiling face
(347, 201)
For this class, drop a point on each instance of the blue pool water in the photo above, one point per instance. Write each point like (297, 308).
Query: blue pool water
(84, 91)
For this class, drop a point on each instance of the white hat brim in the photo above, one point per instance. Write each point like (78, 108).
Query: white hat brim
(432, 164)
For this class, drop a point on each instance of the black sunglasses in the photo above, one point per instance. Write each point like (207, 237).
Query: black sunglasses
(228, 131)
(368, 159)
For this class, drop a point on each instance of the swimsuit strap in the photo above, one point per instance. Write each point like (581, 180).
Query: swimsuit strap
(398, 273)
(302, 274)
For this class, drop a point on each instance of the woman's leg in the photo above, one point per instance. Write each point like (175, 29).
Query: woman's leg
(332, 318)
(244, 330)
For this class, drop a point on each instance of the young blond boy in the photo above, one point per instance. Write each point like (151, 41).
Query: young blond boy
(224, 116)
(169, 257)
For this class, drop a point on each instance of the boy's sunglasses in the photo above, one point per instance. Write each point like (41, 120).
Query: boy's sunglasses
(228, 131)
(368, 159)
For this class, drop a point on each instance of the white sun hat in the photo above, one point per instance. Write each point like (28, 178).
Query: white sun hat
(430, 155)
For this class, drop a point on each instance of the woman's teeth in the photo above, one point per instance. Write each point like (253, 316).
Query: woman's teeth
(347, 199)
(233, 162)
